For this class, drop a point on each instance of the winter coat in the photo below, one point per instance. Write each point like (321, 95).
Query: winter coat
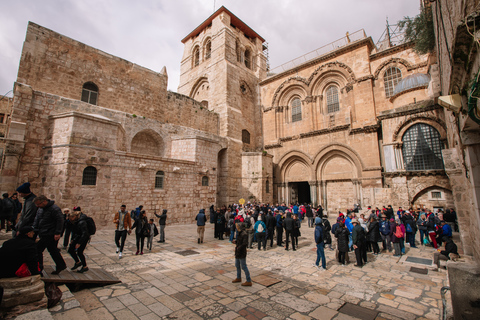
(220, 222)
(411, 223)
(8, 208)
(270, 221)
(141, 226)
(431, 222)
(49, 220)
(29, 212)
(162, 218)
(296, 227)
(201, 218)
(342, 239)
(127, 220)
(450, 247)
(373, 234)
(241, 245)
(80, 230)
(319, 234)
(358, 235)
(384, 227)
(288, 222)
(16, 252)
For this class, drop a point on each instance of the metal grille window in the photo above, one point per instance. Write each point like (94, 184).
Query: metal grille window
(422, 148)
(436, 195)
(245, 136)
(90, 93)
(89, 176)
(391, 77)
(296, 110)
(332, 99)
(204, 181)
(208, 50)
(196, 57)
(159, 177)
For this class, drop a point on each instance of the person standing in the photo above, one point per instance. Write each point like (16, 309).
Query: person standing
(241, 254)
(342, 235)
(260, 232)
(385, 233)
(48, 224)
(201, 220)
(67, 227)
(358, 238)
(288, 224)
(309, 214)
(279, 226)
(123, 222)
(162, 222)
(7, 212)
(422, 227)
(16, 211)
(80, 239)
(270, 224)
(142, 230)
(153, 233)
(219, 224)
(319, 240)
(29, 209)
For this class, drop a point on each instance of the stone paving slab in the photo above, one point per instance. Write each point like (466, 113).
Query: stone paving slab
(164, 284)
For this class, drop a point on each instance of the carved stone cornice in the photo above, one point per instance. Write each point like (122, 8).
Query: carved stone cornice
(366, 129)
(273, 146)
(421, 106)
(422, 173)
(324, 131)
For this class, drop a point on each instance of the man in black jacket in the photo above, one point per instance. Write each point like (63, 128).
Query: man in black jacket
(450, 248)
(29, 209)
(18, 251)
(270, 224)
(288, 224)
(358, 237)
(49, 224)
(80, 239)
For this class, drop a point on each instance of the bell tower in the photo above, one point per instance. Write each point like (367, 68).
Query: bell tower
(222, 65)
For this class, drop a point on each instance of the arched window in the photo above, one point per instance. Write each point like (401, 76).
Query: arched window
(89, 176)
(296, 110)
(196, 56)
(245, 136)
(422, 148)
(204, 181)
(248, 59)
(390, 78)
(208, 50)
(332, 99)
(267, 186)
(90, 93)
(159, 177)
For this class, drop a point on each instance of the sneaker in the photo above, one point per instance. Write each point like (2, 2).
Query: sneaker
(141, 253)
(118, 249)
(136, 253)
(82, 270)
(120, 255)
(76, 265)
(236, 280)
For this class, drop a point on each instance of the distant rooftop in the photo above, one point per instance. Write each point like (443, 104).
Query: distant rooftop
(234, 20)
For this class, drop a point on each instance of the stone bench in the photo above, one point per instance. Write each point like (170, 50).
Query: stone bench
(22, 295)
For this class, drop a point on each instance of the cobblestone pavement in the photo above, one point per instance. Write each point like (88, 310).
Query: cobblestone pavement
(169, 283)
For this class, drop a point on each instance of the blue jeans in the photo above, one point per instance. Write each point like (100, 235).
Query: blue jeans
(350, 241)
(232, 233)
(243, 264)
(423, 233)
(321, 254)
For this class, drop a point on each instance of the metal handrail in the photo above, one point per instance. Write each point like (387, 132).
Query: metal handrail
(342, 42)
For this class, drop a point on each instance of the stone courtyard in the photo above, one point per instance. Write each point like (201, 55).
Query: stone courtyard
(180, 279)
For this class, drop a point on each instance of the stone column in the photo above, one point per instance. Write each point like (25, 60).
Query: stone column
(324, 194)
(313, 192)
(287, 193)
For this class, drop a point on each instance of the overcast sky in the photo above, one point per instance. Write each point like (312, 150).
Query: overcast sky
(148, 32)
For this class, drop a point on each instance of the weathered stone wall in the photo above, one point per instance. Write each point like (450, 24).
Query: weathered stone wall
(61, 137)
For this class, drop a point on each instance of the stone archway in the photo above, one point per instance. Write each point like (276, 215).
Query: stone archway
(148, 142)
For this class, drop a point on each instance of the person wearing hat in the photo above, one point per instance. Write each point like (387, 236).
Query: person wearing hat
(319, 240)
(385, 232)
(80, 238)
(17, 251)
(49, 226)
(29, 209)
(358, 238)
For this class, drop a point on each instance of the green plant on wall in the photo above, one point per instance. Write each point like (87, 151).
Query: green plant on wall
(420, 30)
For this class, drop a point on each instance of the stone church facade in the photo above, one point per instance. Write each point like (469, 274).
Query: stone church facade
(354, 124)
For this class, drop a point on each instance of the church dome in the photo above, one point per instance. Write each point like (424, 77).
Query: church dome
(412, 81)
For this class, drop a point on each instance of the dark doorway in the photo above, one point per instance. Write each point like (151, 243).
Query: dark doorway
(301, 192)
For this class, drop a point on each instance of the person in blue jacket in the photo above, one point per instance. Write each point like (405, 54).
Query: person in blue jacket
(319, 240)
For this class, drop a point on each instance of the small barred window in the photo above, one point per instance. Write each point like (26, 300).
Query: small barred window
(296, 110)
(89, 176)
(159, 177)
(391, 77)
(204, 181)
(333, 104)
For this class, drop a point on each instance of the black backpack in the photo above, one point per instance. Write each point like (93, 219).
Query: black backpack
(92, 228)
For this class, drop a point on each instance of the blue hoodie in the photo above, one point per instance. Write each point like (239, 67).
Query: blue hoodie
(201, 218)
(318, 231)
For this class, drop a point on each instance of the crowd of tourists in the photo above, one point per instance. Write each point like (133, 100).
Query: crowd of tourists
(36, 225)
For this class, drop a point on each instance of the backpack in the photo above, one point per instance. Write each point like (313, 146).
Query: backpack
(260, 228)
(230, 224)
(91, 226)
(398, 232)
(409, 228)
